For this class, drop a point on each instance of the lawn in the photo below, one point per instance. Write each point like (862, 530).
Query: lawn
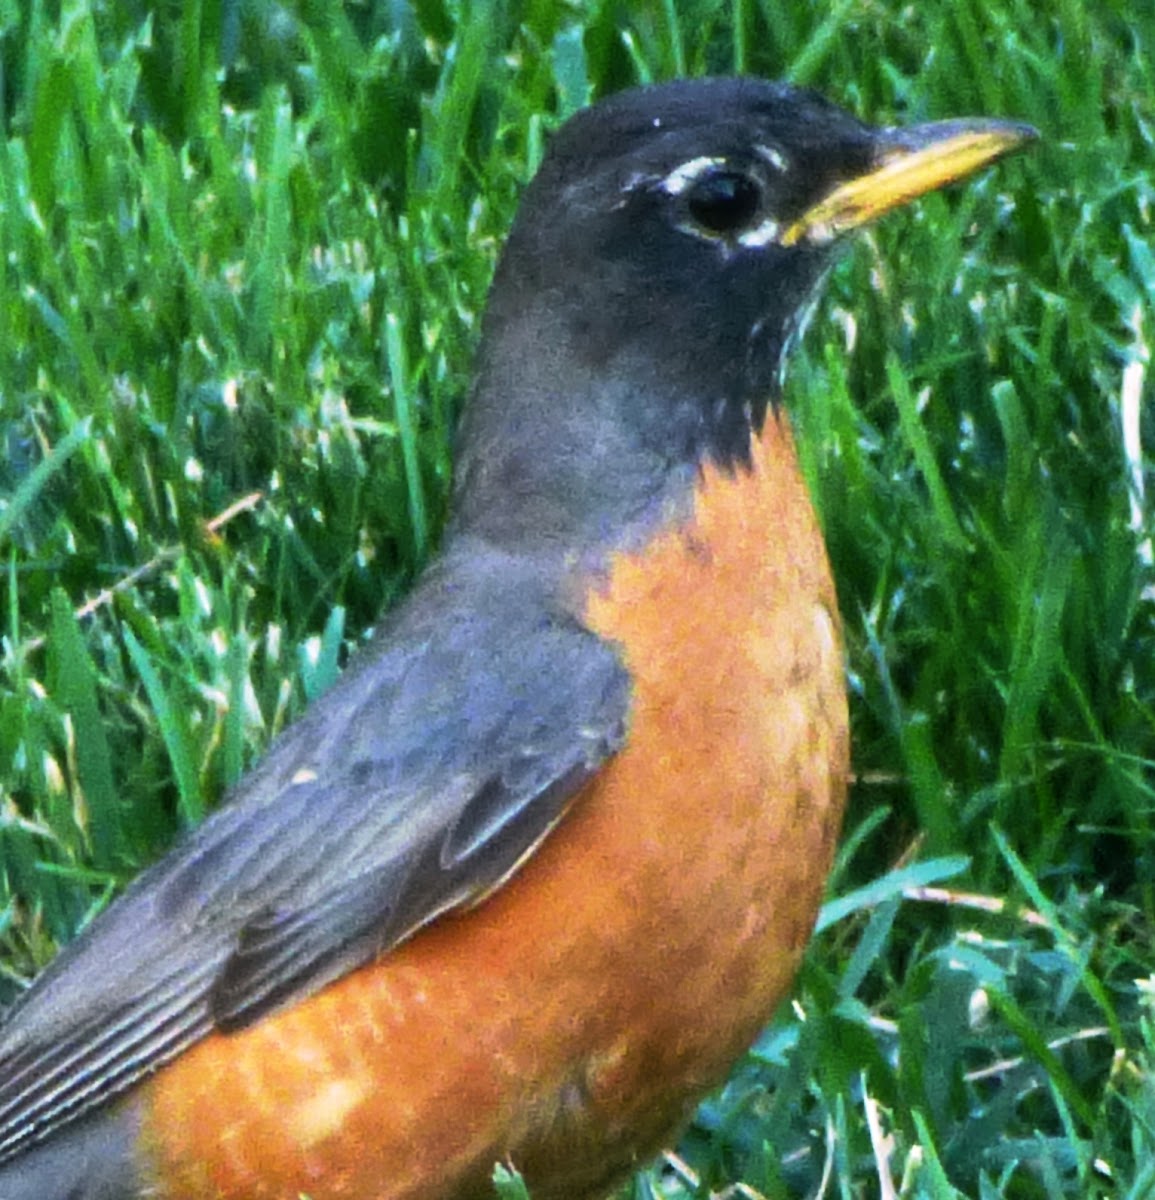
(244, 249)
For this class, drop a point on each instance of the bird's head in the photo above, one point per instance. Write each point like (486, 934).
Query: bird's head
(662, 264)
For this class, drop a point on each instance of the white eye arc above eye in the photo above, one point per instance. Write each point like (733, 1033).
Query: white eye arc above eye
(724, 199)
(773, 157)
(684, 177)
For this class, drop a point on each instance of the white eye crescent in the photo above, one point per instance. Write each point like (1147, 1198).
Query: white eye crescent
(689, 173)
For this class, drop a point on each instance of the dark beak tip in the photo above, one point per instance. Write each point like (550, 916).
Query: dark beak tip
(1021, 130)
(1017, 134)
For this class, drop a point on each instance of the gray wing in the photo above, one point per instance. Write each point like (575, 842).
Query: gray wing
(426, 775)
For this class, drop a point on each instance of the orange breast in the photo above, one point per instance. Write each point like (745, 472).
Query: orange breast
(568, 1023)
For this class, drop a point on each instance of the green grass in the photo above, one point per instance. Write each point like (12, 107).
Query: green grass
(242, 253)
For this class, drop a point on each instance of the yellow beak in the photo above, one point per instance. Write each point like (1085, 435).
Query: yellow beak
(909, 163)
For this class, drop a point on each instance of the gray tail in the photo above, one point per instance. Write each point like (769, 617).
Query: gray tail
(94, 1158)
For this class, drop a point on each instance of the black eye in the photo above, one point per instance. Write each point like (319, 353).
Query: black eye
(724, 202)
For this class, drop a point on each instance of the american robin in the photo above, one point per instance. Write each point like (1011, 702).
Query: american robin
(531, 876)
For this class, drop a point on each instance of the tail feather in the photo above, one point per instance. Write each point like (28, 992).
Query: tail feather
(93, 1159)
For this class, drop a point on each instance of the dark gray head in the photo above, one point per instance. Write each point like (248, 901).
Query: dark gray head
(660, 267)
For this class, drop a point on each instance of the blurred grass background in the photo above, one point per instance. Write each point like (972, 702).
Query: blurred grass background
(243, 248)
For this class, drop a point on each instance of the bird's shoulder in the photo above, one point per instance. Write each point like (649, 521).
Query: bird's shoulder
(444, 754)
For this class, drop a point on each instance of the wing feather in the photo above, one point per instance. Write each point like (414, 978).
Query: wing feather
(425, 777)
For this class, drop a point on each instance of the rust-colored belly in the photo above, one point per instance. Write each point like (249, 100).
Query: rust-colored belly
(570, 1021)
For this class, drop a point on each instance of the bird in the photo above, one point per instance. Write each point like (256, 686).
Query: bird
(531, 876)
